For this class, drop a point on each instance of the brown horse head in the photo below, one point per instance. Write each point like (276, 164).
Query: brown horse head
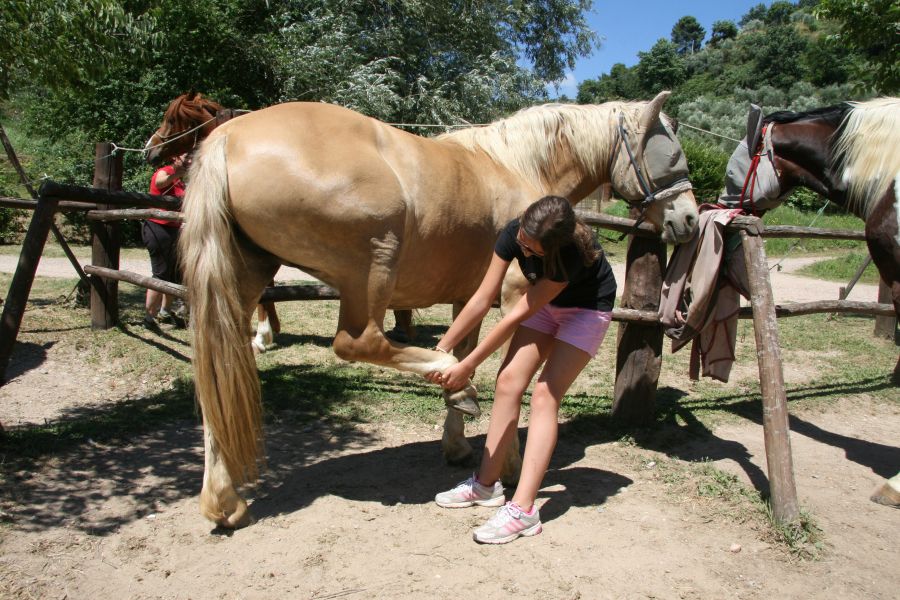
(189, 119)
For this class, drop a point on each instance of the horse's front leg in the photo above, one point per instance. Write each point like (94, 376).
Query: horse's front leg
(883, 240)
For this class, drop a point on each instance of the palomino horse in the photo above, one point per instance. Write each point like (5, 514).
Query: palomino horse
(389, 219)
(848, 153)
(190, 118)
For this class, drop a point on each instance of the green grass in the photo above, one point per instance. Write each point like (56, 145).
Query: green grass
(842, 268)
(788, 215)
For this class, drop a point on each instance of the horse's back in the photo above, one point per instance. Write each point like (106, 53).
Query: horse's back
(317, 185)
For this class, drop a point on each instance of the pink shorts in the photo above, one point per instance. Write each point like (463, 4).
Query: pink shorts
(580, 327)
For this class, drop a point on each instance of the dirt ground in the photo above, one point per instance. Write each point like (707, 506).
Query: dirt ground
(347, 512)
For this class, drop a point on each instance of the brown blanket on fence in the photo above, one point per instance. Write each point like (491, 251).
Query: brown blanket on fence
(700, 297)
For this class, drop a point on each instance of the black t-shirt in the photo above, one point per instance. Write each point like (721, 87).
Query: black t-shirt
(592, 286)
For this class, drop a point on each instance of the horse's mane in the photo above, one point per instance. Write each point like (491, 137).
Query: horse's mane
(527, 142)
(189, 110)
(865, 150)
(833, 114)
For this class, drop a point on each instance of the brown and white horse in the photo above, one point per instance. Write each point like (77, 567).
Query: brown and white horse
(847, 153)
(389, 219)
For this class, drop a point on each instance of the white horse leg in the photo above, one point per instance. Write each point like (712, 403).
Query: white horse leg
(512, 463)
(265, 338)
(889, 492)
(219, 501)
(454, 445)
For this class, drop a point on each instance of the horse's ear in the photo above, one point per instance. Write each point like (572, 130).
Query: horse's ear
(650, 114)
(673, 123)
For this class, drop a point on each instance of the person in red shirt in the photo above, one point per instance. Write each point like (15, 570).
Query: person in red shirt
(161, 239)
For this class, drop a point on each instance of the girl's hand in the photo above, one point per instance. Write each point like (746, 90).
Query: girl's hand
(433, 377)
(456, 377)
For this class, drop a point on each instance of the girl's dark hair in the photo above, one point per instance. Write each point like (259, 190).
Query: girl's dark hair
(553, 223)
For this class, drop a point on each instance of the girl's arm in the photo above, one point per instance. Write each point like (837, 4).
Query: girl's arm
(537, 296)
(477, 306)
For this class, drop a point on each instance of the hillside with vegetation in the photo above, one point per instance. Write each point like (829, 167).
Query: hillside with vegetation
(787, 56)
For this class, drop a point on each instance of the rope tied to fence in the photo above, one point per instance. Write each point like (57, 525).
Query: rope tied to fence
(719, 135)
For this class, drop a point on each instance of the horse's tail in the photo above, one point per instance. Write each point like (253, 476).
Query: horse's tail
(225, 376)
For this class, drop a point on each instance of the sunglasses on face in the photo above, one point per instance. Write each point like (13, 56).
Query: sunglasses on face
(525, 246)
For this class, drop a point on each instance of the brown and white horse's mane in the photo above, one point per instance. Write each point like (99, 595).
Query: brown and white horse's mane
(862, 152)
(520, 142)
(865, 152)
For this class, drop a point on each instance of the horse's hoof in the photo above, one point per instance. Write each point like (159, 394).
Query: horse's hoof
(464, 401)
(229, 511)
(467, 407)
(886, 495)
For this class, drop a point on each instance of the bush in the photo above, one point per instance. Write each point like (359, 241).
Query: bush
(707, 167)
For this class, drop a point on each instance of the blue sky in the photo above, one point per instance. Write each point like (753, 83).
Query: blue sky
(631, 26)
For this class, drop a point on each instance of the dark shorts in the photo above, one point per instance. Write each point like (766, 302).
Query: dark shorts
(162, 243)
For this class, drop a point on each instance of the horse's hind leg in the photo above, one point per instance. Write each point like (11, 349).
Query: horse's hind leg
(219, 500)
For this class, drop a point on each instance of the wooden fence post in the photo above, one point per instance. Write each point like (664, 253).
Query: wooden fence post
(20, 287)
(105, 241)
(776, 428)
(639, 345)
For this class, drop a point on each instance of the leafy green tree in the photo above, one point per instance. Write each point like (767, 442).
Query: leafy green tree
(400, 60)
(775, 55)
(871, 28)
(426, 59)
(721, 31)
(64, 42)
(756, 13)
(661, 68)
(827, 61)
(687, 35)
(621, 83)
(779, 13)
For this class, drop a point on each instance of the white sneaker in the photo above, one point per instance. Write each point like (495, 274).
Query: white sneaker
(509, 523)
(469, 492)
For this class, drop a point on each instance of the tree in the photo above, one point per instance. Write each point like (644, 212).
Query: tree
(779, 13)
(661, 68)
(408, 61)
(621, 83)
(427, 60)
(64, 42)
(870, 26)
(756, 13)
(687, 35)
(721, 31)
(777, 54)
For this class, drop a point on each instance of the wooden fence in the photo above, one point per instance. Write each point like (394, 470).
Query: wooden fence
(640, 336)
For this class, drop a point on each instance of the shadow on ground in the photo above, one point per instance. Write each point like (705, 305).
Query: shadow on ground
(96, 469)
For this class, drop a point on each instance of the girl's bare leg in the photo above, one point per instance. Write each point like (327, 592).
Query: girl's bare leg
(563, 366)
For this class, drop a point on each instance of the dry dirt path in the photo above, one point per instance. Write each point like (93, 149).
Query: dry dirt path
(786, 286)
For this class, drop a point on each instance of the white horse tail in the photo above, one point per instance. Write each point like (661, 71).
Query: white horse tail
(225, 375)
